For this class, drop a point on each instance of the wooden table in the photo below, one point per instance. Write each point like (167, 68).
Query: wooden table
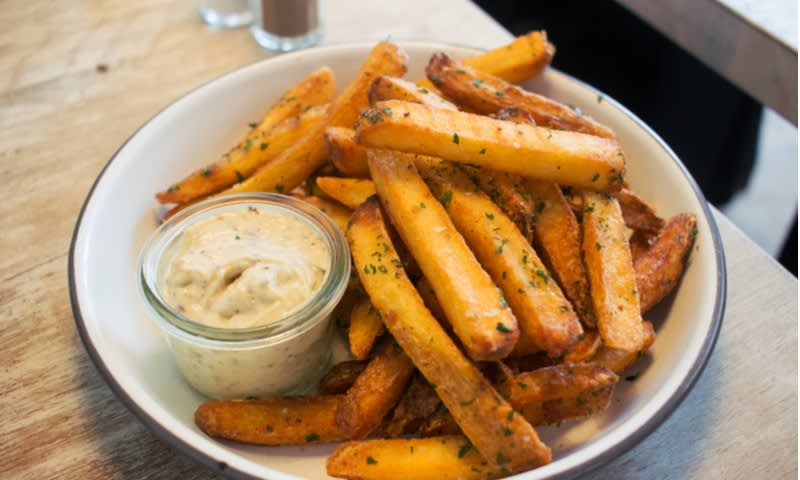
(77, 78)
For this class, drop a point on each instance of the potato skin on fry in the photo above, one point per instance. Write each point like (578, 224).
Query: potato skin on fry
(637, 213)
(272, 421)
(341, 377)
(618, 360)
(393, 88)
(502, 437)
(559, 156)
(660, 267)
(350, 192)
(365, 328)
(345, 154)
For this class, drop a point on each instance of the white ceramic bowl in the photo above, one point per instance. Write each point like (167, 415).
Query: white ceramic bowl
(130, 352)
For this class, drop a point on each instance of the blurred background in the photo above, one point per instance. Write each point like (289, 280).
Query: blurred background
(743, 155)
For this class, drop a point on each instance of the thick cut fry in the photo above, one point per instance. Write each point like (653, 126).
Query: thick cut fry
(272, 421)
(341, 377)
(618, 360)
(239, 163)
(557, 238)
(472, 303)
(290, 168)
(561, 392)
(393, 88)
(429, 297)
(559, 156)
(586, 348)
(418, 403)
(338, 213)
(612, 279)
(513, 114)
(375, 391)
(637, 213)
(346, 155)
(502, 437)
(483, 93)
(545, 317)
(660, 267)
(365, 328)
(350, 192)
(434, 458)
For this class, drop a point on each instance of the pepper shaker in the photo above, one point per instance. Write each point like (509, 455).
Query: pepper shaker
(286, 25)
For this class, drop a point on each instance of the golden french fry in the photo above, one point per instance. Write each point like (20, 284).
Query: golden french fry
(393, 88)
(557, 238)
(558, 156)
(475, 307)
(659, 268)
(546, 319)
(341, 377)
(586, 348)
(339, 214)
(637, 213)
(290, 168)
(484, 93)
(618, 360)
(346, 155)
(429, 297)
(433, 458)
(365, 328)
(417, 404)
(612, 279)
(272, 421)
(350, 192)
(375, 391)
(502, 437)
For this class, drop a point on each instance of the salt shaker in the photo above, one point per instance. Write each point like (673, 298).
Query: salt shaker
(286, 25)
(226, 13)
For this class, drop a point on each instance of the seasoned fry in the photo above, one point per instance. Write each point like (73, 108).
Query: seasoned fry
(365, 328)
(483, 93)
(475, 307)
(612, 278)
(561, 392)
(346, 155)
(291, 167)
(341, 377)
(586, 348)
(640, 242)
(660, 267)
(559, 156)
(433, 458)
(545, 317)
(393, 88)
(502, 437)
(557, 238)
(375, 391)
(618, 360)
(350, 192)
(637, 213)
(272, 421)
(338, 213)
(429, 297)
(417, 404)
(513, 114)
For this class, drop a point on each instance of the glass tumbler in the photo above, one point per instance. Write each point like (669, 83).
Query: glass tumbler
(226, 13)
(286, 25)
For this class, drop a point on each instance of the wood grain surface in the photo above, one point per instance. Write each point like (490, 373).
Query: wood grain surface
(77, 78)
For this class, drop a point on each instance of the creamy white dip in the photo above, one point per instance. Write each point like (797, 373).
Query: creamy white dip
(244, 268)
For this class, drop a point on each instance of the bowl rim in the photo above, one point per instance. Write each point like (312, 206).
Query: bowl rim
(203, 458)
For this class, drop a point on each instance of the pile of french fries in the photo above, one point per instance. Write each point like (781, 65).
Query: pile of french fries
(503, 263)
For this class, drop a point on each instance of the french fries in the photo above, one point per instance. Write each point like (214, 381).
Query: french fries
(559, 156)
(350, 192)
(586, 348)
(483, 93)
(475, 308)
(612, 278)
(272, 421)
(375, 391)
(341, 377)
(393, 88)
(503, 438)
(365, 328)
(618, 360)
(345, 154)
(637, 213)
(418, 403)
(338, 213)
(546, 319)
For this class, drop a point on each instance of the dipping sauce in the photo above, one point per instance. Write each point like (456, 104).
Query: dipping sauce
(245, 268)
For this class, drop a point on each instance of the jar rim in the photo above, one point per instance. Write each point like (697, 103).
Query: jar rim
(300, 319)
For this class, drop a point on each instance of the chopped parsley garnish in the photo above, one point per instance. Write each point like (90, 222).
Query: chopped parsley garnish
(490, 216)
(206, 171)
(371, 461)
(501, 327)
(253, 124)
(279, 188)
(239, 176)
(477, 82)
(455, 138)
(446, 197)
(595, 177)
(312, 437)
(387, 111)
(464, 450)
(483, 151)
(270, 429)
(264, 145)
(598, 246)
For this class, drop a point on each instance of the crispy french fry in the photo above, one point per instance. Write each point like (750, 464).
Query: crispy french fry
(272, 421)
(546, 319)
(502, 437)
(513, 114)
(346, 155)
(640, 242)
(417, 404)
(483, 93)
(561, 392)
(659, 268)
(637, 213)
(341, 377)
(365, 328)
(586, 348)
(375, 391)
(612, 279)
(291, 167)
(429, 297)
(350, 192)
(529, 362)
(557, 238)
(475, 307)
(433, 458)
(393, 88)
(618, 360)
(339, 214)
(559, 156)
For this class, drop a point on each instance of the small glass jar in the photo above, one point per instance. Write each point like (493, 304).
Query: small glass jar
(226, 13)
(286, 25)
(283, 357)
